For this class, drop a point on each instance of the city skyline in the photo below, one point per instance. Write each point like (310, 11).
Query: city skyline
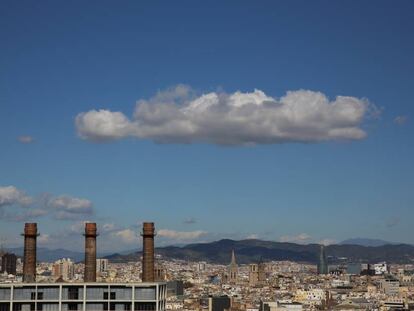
(284, 122)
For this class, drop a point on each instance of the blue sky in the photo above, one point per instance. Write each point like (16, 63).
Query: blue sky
(75, 147)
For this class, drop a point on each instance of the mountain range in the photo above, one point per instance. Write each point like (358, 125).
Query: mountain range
(366, 242)
(253, 250)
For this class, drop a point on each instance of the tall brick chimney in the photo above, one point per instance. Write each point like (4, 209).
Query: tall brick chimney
(29, 260)
(148, 233)
(90, 252)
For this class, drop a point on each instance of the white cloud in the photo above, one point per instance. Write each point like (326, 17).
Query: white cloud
(10, 195)
(61, 207)
(300, 238)
(72, 205)
(177, 116)
(400, 120)
(327, 242)
(253, 236)
(108, 228)
(77, 227)
(126, 235)
(44, 238)
(181, 235)
(28, 214)
(25, 139)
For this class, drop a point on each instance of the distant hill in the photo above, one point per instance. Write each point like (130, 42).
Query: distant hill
(51, 255)
(252, 250)
(367, 242)
(248, 251)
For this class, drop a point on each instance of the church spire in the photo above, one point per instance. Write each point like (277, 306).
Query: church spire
(233, 258)
(233, 269)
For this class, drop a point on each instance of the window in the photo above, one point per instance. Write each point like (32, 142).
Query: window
(48, 293)
(4, 306)
(5, 293)
(145, 306)
(121, 293)
(97, 293)
(17, 307)
(73, 293)
(145, 293)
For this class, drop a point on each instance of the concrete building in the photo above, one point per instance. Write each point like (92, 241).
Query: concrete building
(219, 303)
(353, 268)
(175, 288)
(389, 286)
(102, 265)
(83, 296)
(280, 306)
(63, 269)
(8, 263)
(160, 274)
(201, 266)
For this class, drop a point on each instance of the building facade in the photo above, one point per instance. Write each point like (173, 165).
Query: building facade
(83, 296)
(8, 263)
(64, 269)
(102, 265)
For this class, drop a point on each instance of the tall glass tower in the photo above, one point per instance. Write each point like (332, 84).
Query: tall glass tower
(323, 263)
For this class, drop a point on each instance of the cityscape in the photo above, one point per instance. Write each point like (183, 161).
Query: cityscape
(215, 155)
(152, 282)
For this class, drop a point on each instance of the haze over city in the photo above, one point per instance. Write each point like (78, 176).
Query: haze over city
(282, 121)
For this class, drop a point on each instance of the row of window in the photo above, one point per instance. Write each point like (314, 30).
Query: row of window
(139, 306)
(76, 293)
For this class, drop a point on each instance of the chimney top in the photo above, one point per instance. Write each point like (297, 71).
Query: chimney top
(148, 228)
(30, 229)
(90, 229)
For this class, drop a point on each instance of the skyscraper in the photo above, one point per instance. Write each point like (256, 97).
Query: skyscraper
(322, 264)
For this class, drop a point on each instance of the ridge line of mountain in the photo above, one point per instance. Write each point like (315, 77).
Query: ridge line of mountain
(251, 250)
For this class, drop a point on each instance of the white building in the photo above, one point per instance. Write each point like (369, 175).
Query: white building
(101, 265)
(380, 268)
(83, 296)
(390, 286)
(281, 306)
